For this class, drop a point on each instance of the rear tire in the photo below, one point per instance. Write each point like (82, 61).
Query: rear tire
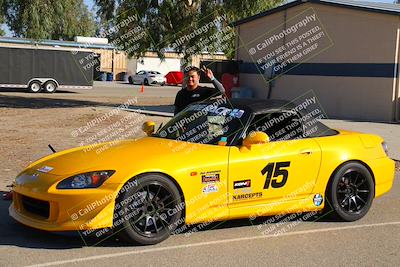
(146, 82)
(149, 211)
(130, 80)
(35, 87)
(350, 192)
(50, 87)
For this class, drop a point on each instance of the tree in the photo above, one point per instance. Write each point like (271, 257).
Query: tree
(1, 17)
(187, 26)
(236, 10)
(49, 19)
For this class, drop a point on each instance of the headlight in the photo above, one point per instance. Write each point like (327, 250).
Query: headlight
(385, 148)
(85, 180)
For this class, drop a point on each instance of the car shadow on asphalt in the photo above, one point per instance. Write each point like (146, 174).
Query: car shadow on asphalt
(13, 233)
(280, 220)
(43, 102)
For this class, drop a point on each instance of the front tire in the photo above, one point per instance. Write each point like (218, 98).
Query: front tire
(146, 82)
(149, 210)
(351, 192)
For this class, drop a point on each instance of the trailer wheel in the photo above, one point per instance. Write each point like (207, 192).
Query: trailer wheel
(34, 87)
(50, 87)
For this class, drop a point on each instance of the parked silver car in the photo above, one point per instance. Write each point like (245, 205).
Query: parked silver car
(147, 77)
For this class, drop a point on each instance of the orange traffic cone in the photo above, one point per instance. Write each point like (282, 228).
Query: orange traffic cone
(142, 88)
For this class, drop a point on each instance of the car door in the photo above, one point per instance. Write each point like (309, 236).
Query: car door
(278, 170)
(273, 171)
(205, 185)
(202, 160)
(139, 77)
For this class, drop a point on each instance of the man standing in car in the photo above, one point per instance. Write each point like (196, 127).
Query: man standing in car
(193, 92)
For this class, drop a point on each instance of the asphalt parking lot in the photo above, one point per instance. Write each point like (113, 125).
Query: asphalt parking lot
(372, 241)
(30, 122)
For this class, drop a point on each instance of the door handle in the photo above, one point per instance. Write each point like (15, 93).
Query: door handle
(306, 152)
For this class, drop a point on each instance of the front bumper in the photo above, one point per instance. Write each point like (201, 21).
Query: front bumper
(68, 210)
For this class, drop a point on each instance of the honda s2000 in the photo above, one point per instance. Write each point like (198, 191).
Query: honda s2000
(214, 161)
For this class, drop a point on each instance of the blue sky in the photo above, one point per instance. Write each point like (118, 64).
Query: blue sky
(90, 4)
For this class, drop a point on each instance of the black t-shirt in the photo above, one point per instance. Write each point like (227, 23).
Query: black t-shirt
(185, 97)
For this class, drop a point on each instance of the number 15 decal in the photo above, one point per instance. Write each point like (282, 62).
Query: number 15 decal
(279, 171)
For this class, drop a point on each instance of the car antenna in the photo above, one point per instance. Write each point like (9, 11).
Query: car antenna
(159, 127)
(51, 148)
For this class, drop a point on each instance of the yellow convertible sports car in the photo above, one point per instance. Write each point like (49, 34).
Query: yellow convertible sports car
(216, 160)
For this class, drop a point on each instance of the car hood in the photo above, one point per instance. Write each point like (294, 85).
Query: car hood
(106, 156)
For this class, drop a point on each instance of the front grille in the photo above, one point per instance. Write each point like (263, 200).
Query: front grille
(36, 206)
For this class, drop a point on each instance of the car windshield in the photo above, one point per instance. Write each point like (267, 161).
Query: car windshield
(205, 123)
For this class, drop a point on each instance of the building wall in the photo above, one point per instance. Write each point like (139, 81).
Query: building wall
(162, 66)
(362, 40)
(170, 63)
(198, 58)
(152, 61)
(112, 61)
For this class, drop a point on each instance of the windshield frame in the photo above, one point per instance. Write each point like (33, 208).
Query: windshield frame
(244, 121)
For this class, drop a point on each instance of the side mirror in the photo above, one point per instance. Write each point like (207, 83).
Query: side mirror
(255, 138)
(148, 127)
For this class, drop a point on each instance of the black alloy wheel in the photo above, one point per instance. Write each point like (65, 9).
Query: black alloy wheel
(150, 210)
(351, 191)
